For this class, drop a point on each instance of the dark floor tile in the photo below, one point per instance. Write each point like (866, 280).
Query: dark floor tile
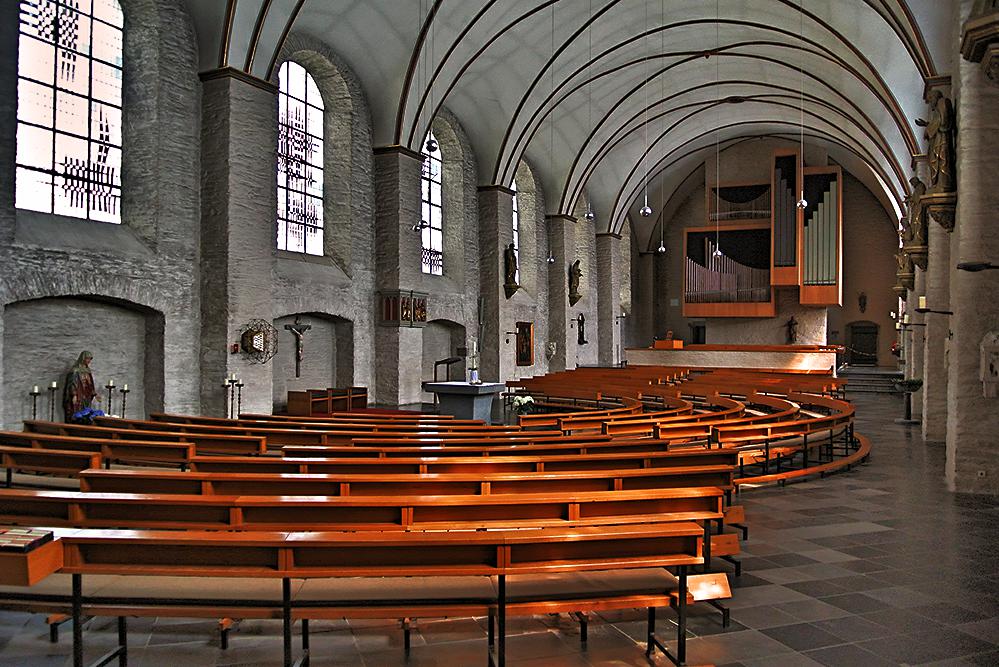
(856, 603)
(847, 655)
(816, 588)
(802, 636)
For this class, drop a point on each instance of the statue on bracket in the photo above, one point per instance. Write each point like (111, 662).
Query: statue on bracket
(510, 284)
(940, 142)
(575, 273)
(914, 225)
(581, 330)
(792, 331)
(79, 392)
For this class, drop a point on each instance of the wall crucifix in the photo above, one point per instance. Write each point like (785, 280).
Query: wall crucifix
(298, 331)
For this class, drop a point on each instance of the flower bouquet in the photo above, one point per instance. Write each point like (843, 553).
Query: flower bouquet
(523, 405)
(86, 416)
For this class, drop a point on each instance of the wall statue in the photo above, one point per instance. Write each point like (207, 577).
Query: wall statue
(904, 263)
(940, 142)
(78, 392)
(510, 284)
(914, 225)
(792, 330)
(575, 273)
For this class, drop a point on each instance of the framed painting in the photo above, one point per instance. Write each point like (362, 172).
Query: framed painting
(525, 343)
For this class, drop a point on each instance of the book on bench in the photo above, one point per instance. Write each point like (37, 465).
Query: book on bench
(23, 540)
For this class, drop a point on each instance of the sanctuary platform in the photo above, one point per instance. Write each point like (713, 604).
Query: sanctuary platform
(802, 358)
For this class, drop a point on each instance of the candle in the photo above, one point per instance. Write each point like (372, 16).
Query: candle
(905, 318)
(922, 302)
(111, 382)
(232, 377)
(54, 384)
(125, 388)
(34, 390)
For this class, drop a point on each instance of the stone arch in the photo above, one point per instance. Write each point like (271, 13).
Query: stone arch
(43, 335)
(348, 187)
(328, 355)
(442, 338)
(460, 198)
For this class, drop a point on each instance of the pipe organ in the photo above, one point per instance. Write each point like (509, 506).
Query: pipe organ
(761, 249)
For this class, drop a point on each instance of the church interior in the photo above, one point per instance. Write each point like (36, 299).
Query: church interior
(540, 332)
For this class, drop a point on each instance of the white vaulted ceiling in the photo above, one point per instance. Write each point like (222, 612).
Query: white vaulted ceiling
(863, 64)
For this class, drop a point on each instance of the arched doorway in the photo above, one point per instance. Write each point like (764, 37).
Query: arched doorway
(862, 343)
(327, 359)
(441, 339)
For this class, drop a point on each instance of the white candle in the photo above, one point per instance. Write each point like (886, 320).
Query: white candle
(922, 302)
(111, 382)
(125, 388)
(34, 390)
(54, 384)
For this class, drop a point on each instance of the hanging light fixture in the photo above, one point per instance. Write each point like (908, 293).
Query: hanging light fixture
(551, 257)
(802, 202)
(431, 144)
(717, 252)
(589, 216)
(662, 95)
(551, 117)
(646, 210)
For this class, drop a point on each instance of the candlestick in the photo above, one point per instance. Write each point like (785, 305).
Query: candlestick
(52, 391)
(34, 402)
(124, 396)
(239, 399)
(110, 387)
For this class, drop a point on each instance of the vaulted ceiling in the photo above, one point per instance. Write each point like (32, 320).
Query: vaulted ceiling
(596, 94)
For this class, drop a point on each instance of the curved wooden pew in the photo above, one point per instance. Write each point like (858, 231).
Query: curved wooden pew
(383, 484)
(218, 443)
(125, 451)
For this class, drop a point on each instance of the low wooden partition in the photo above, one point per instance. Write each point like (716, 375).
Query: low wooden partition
(315, 402)
(490, 562)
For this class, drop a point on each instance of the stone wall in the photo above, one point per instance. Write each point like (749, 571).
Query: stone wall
(42, 339)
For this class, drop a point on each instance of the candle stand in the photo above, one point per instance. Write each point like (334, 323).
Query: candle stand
(34, 393)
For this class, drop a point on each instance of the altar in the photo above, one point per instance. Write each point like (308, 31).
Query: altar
(795, 358)
(464, 400)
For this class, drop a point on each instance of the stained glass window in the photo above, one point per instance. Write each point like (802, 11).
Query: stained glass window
(516, 229)
(69, 108)
(300, 162)
(433, 218)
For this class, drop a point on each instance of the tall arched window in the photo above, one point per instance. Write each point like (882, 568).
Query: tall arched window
(299, 162)
(69, 108)
(516, 228)
(433, 218)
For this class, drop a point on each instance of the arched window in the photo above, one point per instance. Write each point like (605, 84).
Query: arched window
(516, 228)
(299, 162)
(69, 108)
(432, 223)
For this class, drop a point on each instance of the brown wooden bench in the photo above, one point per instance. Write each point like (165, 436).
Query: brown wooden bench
(500, 570)
(124, 451)
(204, 442)
(51, 461)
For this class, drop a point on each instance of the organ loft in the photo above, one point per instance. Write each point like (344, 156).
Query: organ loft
(534, 332)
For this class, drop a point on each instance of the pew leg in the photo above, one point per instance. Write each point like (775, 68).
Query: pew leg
(407, 635)
(501, 622)
(584, 622)
(804, 451)
(304, 660)
(54, 621)
(286, 618)
(726, 615)
(10, 477)
(77, 620)
(766, 457)
(650, 632)
(706, 550)
(681, 613)
(491, 632)
(735, 562)
(122, 642)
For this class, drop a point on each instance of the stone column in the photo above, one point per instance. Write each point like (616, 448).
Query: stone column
(973, 421)
(914, 353)
(495, 234)
(398, 350)
(238, 204)
(561, 233)
(936, 334)
(608, 298)
(643, 296)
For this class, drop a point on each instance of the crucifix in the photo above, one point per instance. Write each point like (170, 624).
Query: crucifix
(298, 331)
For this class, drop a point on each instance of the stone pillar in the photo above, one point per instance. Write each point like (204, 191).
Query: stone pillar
(914, 353)
(973, 421)
(936, 334)
(645, 289)
(398, 350)
(238, 204)
(495, 234)
(608, 298)
(561, 235)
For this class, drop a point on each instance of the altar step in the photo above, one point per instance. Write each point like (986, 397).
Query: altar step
(870, 379)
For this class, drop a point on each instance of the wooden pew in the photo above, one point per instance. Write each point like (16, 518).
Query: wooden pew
(25, 507)
(124, 451)
(203, 442)
(519, 555)
(51, 461)
(384, 484)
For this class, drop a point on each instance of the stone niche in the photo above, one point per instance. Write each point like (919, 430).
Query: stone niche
(327, 360)
(43, 337)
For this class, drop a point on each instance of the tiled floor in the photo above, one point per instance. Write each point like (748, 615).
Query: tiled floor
(879, 566)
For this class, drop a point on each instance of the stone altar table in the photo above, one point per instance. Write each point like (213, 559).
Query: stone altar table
(464, 400)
